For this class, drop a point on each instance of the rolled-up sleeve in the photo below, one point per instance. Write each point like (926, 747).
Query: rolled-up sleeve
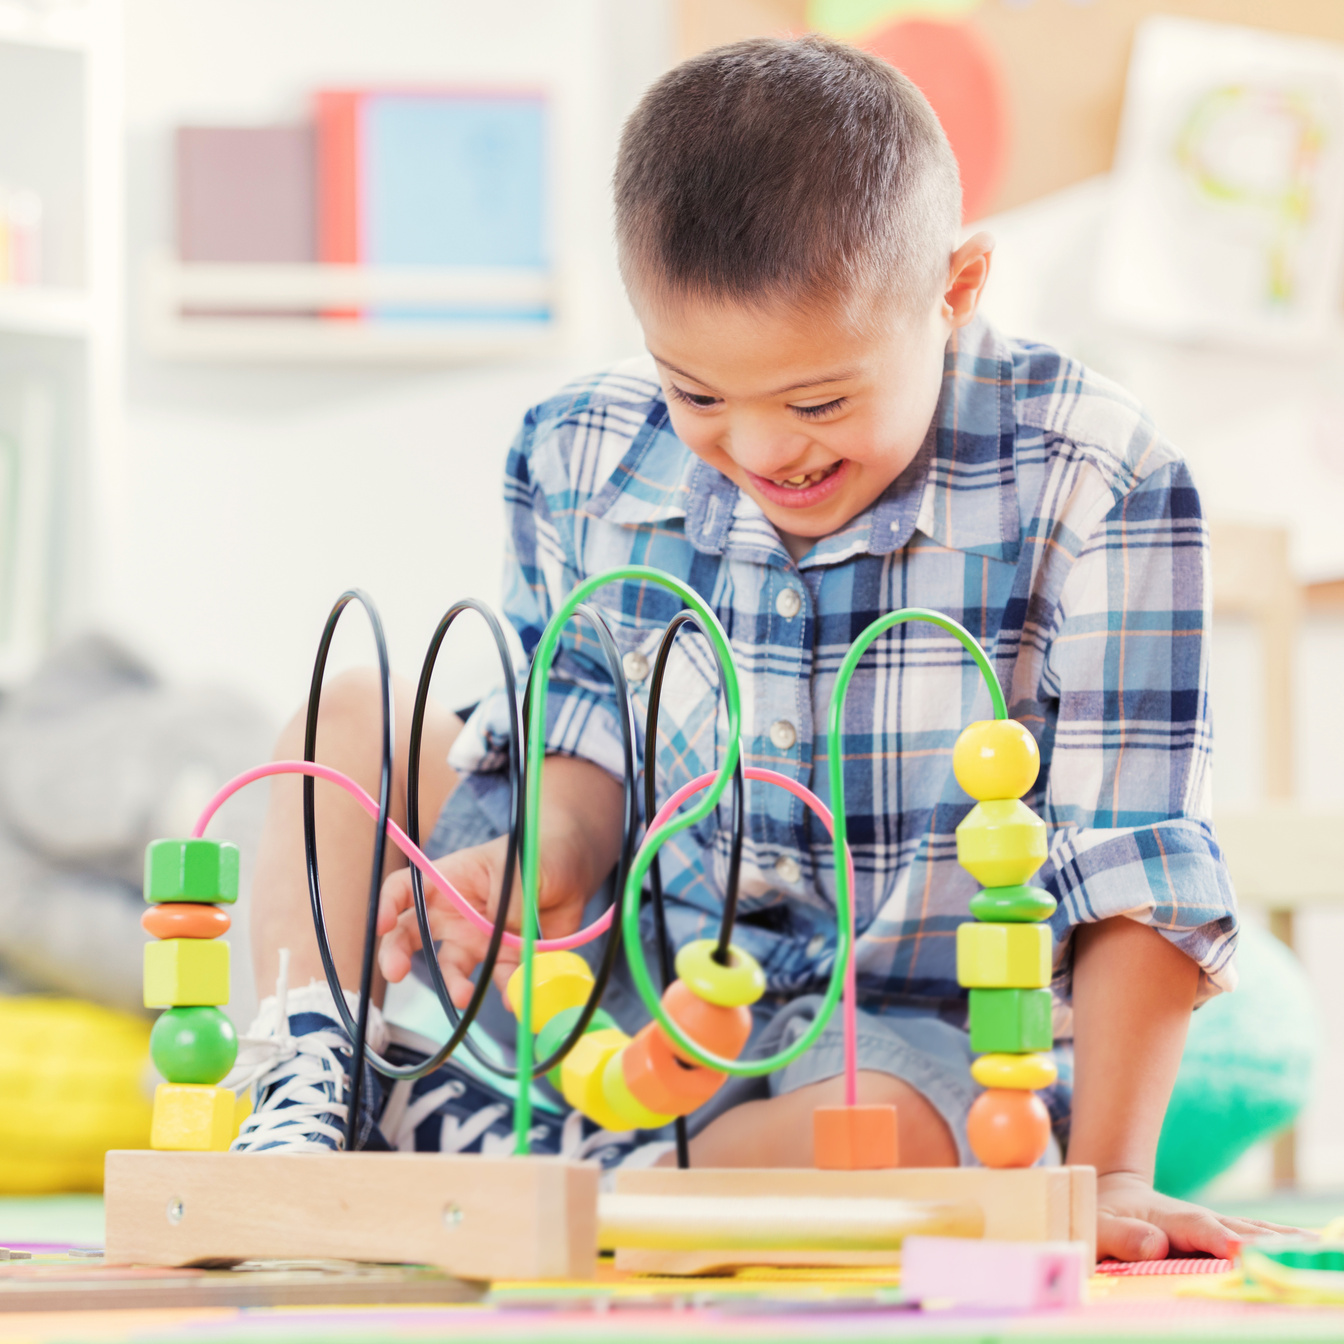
(539, 573)
(1128, 793)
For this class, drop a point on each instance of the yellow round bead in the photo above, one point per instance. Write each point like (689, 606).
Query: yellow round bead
(1001, 843)
(996, 758)
(581, 1076)
(1022, 1072)
(560, 980)
(736, 985)
(623, 1102)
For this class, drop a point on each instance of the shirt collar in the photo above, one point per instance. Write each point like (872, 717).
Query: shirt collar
(960, 491)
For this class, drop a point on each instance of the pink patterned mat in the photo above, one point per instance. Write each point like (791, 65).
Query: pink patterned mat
(1183, 1264)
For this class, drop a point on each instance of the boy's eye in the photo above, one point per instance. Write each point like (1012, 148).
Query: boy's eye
(816, 412)
(697, 399)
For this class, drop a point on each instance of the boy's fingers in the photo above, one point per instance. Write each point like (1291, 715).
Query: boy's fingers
(1254, 1227)
(394, 897)
(1199, 1230)
(1129, 1239)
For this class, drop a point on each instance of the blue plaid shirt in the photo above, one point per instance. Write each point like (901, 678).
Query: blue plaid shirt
(1044, 513)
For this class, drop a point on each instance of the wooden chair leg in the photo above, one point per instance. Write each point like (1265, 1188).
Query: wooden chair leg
(1285, 1146)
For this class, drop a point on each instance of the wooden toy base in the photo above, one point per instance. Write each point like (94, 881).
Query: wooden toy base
(1031, 1204)
(476, 1217)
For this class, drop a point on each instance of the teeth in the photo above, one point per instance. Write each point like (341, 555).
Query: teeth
(805, 479)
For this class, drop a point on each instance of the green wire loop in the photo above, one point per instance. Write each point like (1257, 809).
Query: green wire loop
(709, 800)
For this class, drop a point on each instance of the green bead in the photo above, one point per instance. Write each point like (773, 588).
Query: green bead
(191, 870)
(1010, 1021)
(193, 1045)
(552, 1036)
(1012, 905)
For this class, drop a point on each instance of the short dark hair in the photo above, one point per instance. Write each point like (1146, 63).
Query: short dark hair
(798, 170)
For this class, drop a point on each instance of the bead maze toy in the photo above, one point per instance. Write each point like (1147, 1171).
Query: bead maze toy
(526, 1216)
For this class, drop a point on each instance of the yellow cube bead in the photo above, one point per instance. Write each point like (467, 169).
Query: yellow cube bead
(1025, 1072)
(1001, 843)
(189, 1117)
(634, 1114)
(560, 980)
(1004, 956)
(186, 973)
(581, 1076)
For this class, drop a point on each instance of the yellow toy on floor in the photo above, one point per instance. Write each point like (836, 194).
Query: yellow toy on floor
(75, 1081)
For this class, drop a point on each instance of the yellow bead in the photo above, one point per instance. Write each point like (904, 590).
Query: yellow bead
(581, 1076)
(192, 1118)
(1001, 843)
(1024, 1072)
(1003, 956)
(736, 985)
(560, 980)
(186, 973)
(634, 1114)
(996, 758)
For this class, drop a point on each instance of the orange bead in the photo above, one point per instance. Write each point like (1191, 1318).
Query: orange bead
(659, 1080)
(721, 1031)
(184, 920)
(854, 1138)
(1008, 1128)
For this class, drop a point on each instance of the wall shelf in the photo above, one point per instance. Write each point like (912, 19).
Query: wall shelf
(42, 311)
(63, 29)
(248, 313)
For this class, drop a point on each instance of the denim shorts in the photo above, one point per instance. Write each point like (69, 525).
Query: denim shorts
(905, 1040)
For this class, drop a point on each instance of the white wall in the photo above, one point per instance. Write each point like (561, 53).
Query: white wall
(249, 497)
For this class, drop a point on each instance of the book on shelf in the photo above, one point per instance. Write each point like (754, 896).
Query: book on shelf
(430, 178)
(245, 194)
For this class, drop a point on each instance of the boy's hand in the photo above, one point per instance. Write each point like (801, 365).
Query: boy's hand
(1134, 1222)
(579, 839)
(477, 874)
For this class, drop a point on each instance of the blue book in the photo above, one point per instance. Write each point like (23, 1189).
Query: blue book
(454, 180)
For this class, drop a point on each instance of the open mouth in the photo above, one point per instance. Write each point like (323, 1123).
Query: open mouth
(802, 490)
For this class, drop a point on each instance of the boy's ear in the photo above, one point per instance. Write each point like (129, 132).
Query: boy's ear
(966, 275)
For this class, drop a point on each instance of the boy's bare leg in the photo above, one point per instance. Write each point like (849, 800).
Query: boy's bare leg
(778, 1132)
(349, 738)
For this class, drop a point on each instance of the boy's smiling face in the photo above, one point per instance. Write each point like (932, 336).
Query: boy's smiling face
(813, 419)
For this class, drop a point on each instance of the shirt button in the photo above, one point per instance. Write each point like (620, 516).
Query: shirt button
(783, 734)
(787, 870)
(789, 603)
(636, 666)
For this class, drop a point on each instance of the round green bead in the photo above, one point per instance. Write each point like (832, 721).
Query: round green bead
(552, 1036)
(1012, 905)
(193, 1045)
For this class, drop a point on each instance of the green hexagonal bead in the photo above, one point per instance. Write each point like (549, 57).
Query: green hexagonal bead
(191, 870)
(193, 1045)
(1013, 905)
(552, 1036)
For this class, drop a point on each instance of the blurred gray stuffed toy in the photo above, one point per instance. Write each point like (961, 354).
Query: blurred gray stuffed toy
(98, 756)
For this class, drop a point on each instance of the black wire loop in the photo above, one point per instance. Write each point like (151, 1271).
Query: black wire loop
(356, 1024)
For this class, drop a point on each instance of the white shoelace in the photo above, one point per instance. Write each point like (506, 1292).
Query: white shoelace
(311, 1094)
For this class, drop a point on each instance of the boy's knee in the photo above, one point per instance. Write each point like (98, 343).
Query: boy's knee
(351, 704)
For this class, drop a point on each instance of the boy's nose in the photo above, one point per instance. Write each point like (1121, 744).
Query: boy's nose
(764, 453)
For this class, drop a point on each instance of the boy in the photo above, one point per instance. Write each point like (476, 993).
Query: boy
(825, 431)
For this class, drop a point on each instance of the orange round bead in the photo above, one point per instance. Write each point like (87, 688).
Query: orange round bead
(182, 920)
(1008, 1128)
(721, 1031)
(659, 1080)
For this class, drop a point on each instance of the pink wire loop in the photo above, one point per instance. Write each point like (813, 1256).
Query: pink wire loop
(599, 926)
